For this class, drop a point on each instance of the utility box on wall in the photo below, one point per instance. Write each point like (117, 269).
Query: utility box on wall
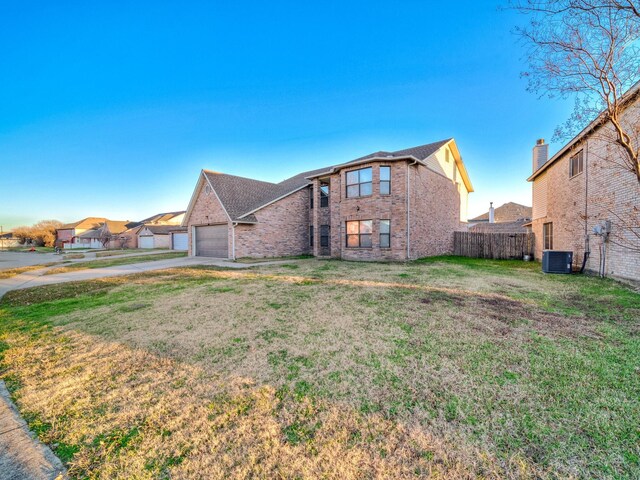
(556, 261)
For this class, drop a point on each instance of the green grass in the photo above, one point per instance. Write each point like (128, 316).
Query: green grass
(535, 374)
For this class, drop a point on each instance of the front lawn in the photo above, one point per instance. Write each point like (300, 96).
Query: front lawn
(447, 367)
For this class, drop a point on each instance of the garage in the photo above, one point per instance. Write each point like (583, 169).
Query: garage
(180, 241)
(212, 241)
(145, 241)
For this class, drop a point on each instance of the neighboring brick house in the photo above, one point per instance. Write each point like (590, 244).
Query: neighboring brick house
(583, 187)
(162, 230)
(508, 218)
(108, 229)
(67, 235)
(383, 206)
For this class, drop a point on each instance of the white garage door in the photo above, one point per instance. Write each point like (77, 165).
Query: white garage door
(145, 241)
(180, 241)
(212, 241)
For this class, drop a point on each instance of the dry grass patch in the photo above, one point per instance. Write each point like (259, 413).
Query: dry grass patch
(12, 272)
(335, 370)
(125, 413)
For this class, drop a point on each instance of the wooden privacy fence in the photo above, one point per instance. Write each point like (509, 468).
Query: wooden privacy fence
(493, 245)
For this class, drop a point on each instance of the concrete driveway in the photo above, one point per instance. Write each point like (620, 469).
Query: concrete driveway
(26, 259)
(35, 278)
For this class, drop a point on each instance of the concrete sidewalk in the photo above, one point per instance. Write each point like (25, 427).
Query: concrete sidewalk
(35, 278)
(22, 455)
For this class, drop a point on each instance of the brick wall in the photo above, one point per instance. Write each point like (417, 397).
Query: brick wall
(604, 191)
(435, 212)
(282, 229)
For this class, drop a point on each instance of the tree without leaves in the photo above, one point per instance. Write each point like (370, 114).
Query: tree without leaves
(588, 50)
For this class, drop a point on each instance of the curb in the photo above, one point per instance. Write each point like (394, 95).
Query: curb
(22, 455)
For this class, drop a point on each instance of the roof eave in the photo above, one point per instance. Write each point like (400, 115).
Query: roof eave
(630, 95)
(337, 168)
(269, 203)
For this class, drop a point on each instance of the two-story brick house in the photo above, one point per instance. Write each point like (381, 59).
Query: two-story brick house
(383, 206)
(587, 202)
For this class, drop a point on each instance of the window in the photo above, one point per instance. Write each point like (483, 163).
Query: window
(311, 198)
(385, 180)
(359, 233)
(576, 164)
(359, 182)
(324, 235)
(324, 194)
(547, 233)
(385, 233)
(311, 236)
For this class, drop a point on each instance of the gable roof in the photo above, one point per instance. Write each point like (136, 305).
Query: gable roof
(162, 217)
(509, 212)
(517, 226)
(626, 99)
(161, 229)
(241, 197)
(114, 227)
(89, 222)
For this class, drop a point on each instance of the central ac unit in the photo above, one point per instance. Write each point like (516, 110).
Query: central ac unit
(556, 261)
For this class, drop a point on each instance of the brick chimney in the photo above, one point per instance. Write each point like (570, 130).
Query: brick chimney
(492, 213)
(540, 154)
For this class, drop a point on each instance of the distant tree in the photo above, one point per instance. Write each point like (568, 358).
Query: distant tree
(587, 50)
(105, 236)
(42, 234)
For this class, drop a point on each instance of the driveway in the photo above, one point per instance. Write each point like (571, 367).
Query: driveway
(35, 278)
(26, 259)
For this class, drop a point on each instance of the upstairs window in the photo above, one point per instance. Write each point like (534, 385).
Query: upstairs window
(385, 180)
(359, 182)
(576, 164)
(385, 233)
(547, 233)
(311, 198)
(359, 233)
(324, 235)
(324, 194)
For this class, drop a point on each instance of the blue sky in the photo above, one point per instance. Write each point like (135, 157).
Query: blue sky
(112, 108)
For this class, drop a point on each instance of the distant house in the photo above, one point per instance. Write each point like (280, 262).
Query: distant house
(383, 206)
(67, 235)
(172, 237)
(585, 202)
(96, 237)
(508, 218)
(7, 240)
(162, 230)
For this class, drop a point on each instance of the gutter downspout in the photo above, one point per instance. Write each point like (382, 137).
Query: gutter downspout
(587, 246)
(409, 212)
(233, 240)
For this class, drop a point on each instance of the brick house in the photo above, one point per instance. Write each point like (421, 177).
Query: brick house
(383, 206)
(67, 235)
(508, 218)
(582, 188)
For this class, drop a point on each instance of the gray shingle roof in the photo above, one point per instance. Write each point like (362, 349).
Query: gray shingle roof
(509, 212)
(161, 229)
(240, 195)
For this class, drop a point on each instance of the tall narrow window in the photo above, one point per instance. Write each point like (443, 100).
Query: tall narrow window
(324, 194)
(311, 198)
(385, 233)
(324, 235)
(385, 180)
(547, 233)
(576, 164)
(359, 182)
(311, 236)
(359, 233)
